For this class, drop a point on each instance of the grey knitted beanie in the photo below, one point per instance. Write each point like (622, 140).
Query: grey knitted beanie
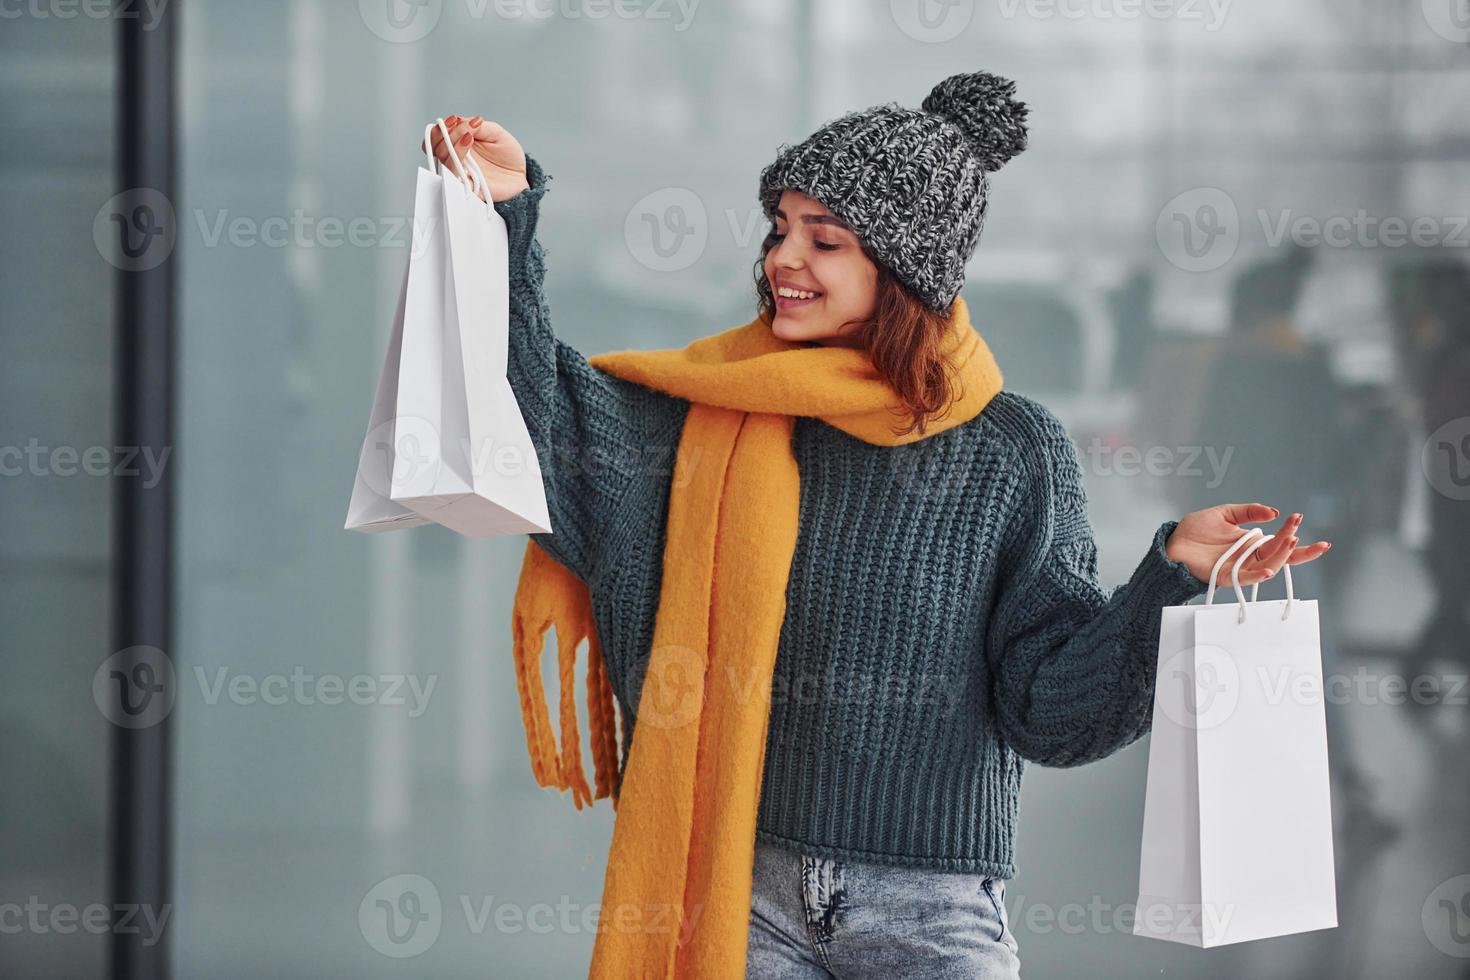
(913, 184)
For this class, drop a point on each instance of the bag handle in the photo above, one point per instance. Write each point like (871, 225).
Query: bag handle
(1220, 562)
(429, 148)
(1235, 581)
(475, 179)
(449, 143)
(1260, 538)
(482, 183)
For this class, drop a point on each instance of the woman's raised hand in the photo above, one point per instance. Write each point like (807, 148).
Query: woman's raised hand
(1203, 536)
(499, 154)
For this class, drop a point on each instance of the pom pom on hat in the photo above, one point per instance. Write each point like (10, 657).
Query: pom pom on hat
(986, 110)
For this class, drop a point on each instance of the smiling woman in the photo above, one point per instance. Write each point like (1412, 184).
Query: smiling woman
(825, 283)
(819, 283)
(882, 245)
(818, 542)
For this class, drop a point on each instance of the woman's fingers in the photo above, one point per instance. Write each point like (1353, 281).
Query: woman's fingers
(461, 136)
(1260, 564)
(1253, 513)
(1277, 552)
(436, 133)
(490, 131)
(436, 145)
(1304, 554)
(1297, 555)
(1283, 549)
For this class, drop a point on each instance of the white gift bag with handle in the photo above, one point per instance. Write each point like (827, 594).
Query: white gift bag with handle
(1237, 825)
(446, 440)
(398, 449)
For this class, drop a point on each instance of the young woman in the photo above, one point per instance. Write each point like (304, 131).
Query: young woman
(840, 583)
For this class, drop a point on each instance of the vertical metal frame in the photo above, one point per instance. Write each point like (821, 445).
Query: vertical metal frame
(142, 584)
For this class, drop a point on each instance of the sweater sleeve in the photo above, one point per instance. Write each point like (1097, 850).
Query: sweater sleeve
(1074, 665)
(594, 434)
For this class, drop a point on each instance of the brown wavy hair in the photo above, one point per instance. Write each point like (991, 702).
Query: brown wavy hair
(902, 337)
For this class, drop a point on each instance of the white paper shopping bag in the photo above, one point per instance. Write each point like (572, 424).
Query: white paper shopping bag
(461, 453)
(388, 456)
(1237, 828)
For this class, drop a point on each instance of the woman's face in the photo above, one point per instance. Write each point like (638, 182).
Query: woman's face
(816, 253)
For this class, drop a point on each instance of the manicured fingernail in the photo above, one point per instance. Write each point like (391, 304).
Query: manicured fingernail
(477, 120)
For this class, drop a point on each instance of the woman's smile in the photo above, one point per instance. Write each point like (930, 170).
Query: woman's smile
(789, 298)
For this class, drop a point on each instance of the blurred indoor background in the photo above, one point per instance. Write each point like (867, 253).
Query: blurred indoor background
(1233, 260)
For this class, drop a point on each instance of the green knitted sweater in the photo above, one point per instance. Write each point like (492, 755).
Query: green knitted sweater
(944, 618)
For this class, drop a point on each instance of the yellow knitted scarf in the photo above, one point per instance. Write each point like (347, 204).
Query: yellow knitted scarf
(676, 897)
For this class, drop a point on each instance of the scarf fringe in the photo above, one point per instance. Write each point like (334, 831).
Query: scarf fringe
(573, 623)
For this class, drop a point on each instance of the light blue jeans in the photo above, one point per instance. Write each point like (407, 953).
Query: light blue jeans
(815, 917)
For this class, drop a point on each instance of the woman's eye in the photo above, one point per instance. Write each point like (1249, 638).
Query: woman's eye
(774, 237)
